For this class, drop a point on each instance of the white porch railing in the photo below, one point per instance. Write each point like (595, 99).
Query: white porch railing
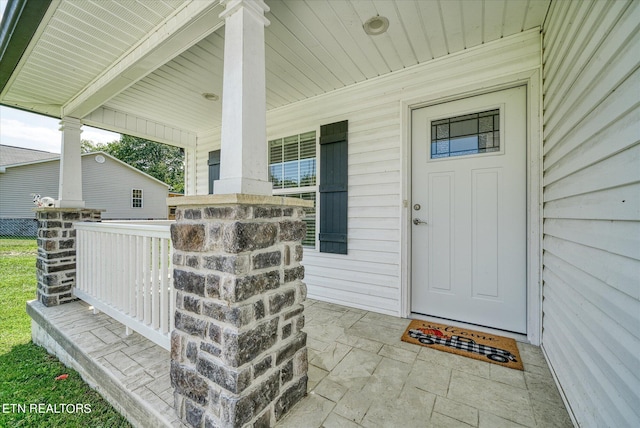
(125, 270)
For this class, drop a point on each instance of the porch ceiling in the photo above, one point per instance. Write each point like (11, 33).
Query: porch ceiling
(312, 47)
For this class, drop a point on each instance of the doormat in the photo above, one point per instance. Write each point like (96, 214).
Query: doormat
(468, 343)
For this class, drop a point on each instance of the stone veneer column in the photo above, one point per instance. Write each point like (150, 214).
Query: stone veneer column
(56, 262)
(238, 353)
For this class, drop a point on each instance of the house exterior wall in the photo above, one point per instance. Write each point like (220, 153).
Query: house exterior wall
(370, 276)
(105, 185)
(591, 324)
(118, 180)
(18, 183)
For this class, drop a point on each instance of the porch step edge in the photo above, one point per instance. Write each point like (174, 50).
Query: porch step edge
(136, 410)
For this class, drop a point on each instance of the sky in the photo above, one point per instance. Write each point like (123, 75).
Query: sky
(34, 131)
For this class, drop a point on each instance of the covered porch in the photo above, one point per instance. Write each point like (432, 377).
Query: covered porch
(314, 105)
(360, 374)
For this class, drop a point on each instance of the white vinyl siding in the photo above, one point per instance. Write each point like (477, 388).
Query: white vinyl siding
(17, 184)
(369, 276)
(109, 186)
(591, 292)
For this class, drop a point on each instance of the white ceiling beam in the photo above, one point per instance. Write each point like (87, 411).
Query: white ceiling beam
(190, 24)
(138, 126)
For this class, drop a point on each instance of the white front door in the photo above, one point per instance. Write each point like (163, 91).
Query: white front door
(468, 210)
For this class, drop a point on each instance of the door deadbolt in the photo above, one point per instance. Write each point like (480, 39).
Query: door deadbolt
(417, 207)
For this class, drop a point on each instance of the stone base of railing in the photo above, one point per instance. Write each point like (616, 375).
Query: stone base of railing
(56, 262)
(238, 354)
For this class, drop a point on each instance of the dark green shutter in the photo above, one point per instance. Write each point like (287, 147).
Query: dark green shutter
(214, 168)
(333, 187)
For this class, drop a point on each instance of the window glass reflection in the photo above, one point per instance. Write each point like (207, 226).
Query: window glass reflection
(468, 134)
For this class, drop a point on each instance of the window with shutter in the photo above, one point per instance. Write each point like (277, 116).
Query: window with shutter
(333, 187)
(214, 168)
(292, 161)
(292, 170)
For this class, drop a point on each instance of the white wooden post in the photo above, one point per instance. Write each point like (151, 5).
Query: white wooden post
(244, 162)
(70, 186)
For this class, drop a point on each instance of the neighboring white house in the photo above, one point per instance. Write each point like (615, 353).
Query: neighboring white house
(471, 160)
(123, 191)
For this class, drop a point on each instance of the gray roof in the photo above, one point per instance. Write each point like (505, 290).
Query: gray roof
(10, 155)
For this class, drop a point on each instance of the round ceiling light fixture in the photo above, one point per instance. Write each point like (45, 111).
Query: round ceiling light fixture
(210, 96)
(376, 25)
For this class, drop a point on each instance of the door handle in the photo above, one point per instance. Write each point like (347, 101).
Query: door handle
(417, 221)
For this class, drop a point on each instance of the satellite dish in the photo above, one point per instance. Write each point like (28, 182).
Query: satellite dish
(100, 159)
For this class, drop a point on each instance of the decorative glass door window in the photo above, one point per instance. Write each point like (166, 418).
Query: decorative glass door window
(469, 134)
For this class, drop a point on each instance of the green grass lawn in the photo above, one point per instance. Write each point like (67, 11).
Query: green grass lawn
(27, 373)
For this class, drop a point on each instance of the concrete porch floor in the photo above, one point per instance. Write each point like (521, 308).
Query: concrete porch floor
(360, 374)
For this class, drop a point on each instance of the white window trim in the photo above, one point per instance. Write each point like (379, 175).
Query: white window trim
(294, 190)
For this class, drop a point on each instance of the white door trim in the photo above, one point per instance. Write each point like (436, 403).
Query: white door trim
(534, 186)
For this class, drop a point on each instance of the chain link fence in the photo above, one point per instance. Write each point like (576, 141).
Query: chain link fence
(16, 228)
